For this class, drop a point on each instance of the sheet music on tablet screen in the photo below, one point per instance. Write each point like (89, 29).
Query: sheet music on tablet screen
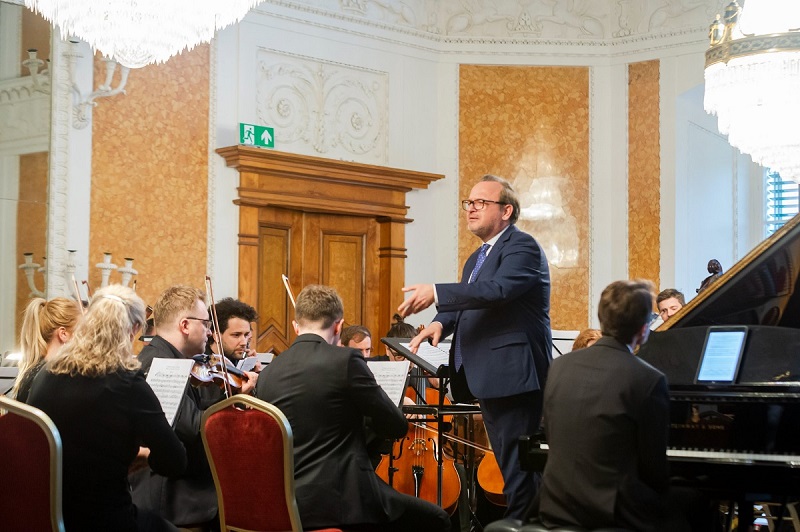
(437, 356)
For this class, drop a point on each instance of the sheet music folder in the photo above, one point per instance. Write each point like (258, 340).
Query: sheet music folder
(432, 360)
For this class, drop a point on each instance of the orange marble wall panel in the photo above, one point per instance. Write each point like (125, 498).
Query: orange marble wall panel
(150, 174)
(644, 172)
(531, 126)
(31, 222)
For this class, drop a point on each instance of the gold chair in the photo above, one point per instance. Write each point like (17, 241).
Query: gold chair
(250, 450)
(30, 489)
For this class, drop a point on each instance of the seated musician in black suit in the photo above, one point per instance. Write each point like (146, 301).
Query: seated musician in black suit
(325, 391)
(606, 418)
(189, 500)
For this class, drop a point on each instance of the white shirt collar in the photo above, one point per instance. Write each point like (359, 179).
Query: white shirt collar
(492, 241)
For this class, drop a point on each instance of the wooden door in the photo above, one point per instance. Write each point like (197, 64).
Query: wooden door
(322, 221)
(311, 248)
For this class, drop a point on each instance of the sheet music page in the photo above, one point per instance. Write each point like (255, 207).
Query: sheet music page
(265, 358)
(391, 376)
(435, 356)
(168, 377)
(247, 363)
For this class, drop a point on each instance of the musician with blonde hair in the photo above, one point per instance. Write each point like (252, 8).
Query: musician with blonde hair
(104, 410)
(46, 326)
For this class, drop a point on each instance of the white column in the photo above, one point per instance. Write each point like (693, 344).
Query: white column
(608, 179)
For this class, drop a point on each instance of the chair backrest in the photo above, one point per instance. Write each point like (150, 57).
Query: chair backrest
(30, 482)
(250, 450)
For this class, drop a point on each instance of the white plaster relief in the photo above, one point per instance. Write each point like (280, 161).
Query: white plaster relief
(24, 112)
(322, 108)
(57, 215)
(590, 22)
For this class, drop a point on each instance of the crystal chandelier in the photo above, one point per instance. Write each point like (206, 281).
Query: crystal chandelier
(139, 32)
(752, 76)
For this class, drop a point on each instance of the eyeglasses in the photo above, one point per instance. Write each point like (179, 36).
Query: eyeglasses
(479, 204)
(206, 322)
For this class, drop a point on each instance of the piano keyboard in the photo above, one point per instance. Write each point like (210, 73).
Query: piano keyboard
(791, 460)
(737, 456)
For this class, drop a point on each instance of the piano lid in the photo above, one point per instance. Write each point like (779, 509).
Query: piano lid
(757, 290)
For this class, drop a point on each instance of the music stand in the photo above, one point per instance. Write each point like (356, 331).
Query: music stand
(432, 360)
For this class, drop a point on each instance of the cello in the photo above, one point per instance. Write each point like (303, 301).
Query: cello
(414, 468)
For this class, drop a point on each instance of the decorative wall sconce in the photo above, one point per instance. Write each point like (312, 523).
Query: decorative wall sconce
(42, 81)
(106, 267)
(41, 78)
(30, 268)
(83, 102)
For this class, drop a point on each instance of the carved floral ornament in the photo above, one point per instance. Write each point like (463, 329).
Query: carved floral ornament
(586, 20)
(322, 108)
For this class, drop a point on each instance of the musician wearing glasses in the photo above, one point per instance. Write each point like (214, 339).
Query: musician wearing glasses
(499, 317)
(183, 328)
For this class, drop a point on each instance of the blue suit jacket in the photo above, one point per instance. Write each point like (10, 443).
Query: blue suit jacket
(503, 317)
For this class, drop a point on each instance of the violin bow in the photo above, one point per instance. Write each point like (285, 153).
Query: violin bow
(288, 289)
(217, 338)
(78, 294)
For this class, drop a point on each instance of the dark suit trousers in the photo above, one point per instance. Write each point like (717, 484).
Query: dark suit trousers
(506, 419)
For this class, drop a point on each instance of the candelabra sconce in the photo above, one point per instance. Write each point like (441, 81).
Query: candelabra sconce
(69, 268)
(105, 267)
(41, 77)
(30, 268)
(127, 271)
(84, 102)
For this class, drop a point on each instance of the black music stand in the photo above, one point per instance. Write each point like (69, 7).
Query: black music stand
(436, 367)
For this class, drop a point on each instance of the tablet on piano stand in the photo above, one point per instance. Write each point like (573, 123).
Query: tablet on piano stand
(722, 355)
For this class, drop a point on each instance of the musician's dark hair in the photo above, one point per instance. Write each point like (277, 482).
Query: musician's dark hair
(668, 293)
(401, 329)
(625, 307)
(354, 333)
(228, 308)
(318, 304)
(507, 195)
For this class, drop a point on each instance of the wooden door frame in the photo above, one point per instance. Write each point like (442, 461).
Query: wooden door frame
(269, 178)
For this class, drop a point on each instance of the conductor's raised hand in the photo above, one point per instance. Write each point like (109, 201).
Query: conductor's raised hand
(421, 298)
(432, 332)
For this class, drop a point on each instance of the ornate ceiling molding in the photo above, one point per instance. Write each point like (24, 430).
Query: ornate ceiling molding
(612, 27)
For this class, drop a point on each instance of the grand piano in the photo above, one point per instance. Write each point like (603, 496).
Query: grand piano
(741, 441)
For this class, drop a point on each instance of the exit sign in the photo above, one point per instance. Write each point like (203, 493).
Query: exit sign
(253, 135)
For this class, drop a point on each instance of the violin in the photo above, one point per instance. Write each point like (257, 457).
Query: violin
(208, 370)
(414, 471)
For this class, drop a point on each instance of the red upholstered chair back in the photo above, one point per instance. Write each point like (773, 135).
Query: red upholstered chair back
(30, 482)
(249, 447)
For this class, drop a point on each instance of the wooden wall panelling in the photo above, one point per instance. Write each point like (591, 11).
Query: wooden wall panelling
(391, 256)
